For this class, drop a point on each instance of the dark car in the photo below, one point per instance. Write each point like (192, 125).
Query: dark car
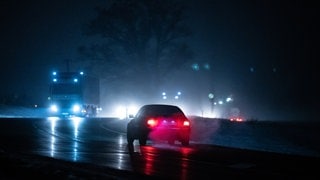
(159, 122)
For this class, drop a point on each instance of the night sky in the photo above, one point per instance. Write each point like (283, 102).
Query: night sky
(261, 52)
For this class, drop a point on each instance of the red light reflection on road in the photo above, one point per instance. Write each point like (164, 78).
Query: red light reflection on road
(155, 158)
(149, 157)
(185, 152)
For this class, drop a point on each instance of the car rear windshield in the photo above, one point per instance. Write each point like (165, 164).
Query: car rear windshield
(162, 111)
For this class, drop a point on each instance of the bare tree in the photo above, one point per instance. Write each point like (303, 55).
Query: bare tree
(140, 41)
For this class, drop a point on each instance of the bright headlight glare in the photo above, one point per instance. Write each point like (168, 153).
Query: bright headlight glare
(54, 108)
(76, 108)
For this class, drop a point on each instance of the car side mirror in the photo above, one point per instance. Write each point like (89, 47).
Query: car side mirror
(131, 116)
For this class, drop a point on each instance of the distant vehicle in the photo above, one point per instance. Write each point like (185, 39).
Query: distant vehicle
(237, 119)
(68, 95)
(159, 122)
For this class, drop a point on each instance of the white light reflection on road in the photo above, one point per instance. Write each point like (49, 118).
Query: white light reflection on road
(75, 151)
(76, 122)
(53, 121)
(121, 157)
(52, 148)
(54, 135)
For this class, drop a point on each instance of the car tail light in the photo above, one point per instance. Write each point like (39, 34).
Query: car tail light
(151, 122)
(236, 119)
(186, 123)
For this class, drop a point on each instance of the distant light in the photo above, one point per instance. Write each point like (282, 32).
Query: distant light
(206, 66)
(123, 112)
(229, 99)
(179, 93)
(54, 73)
(76, 108)
(211, 96)
(75, 80)
(163, 94)
(55, 80)
(176, 97)
(81, 73)
(220, 102)
(164, 97)
(237, 119)
(195, 67)
(54, 108)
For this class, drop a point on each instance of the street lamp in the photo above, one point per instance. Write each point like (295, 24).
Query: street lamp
(164, 95)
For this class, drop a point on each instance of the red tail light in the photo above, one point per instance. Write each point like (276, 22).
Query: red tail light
(151, 122)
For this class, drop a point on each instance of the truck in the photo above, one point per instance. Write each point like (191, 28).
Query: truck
(73, 94)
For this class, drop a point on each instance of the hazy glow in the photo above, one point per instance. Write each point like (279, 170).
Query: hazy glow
(206, 66)
(123, 112)
(195, 67)
(76, 108)
(229, 99)
(54, 108)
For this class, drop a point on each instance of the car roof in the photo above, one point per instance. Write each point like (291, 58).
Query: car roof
(160, 106)
(158, 109)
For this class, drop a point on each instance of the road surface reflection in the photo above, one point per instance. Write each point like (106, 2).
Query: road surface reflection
(153, 159)
(76, 122)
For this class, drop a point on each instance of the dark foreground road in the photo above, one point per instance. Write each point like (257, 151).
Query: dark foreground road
(25, 166)
(275, 166)
(97, 149)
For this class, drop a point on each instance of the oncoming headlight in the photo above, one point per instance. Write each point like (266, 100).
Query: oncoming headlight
(76, 108)
(54, 108)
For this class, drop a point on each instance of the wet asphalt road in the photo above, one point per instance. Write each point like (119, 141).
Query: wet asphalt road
(102, 142)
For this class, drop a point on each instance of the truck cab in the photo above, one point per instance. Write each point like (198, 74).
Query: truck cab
(66, 94)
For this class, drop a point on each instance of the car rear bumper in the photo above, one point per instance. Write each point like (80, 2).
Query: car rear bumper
(169, 134)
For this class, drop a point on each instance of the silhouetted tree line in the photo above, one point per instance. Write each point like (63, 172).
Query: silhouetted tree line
(138, 42)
